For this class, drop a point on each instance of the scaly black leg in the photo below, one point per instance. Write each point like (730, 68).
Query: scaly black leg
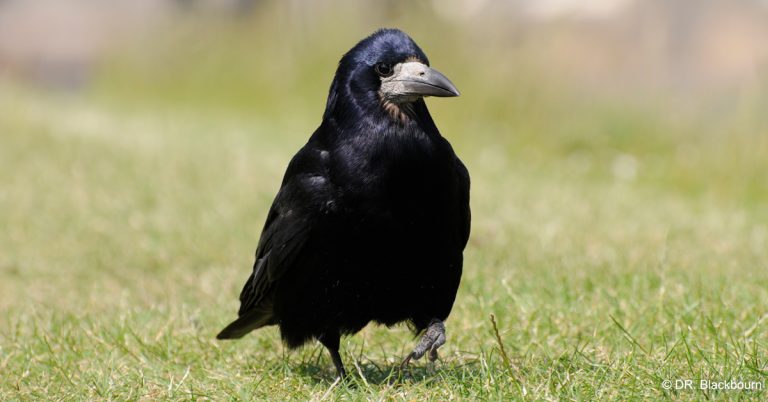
(331, 342)
(433, 338)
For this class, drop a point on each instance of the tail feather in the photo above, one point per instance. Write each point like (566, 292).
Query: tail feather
(244, 325)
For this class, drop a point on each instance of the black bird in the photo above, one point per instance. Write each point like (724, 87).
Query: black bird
(372, 216)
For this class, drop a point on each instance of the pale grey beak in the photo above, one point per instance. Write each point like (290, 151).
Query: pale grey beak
(431, 83)
(415, 79)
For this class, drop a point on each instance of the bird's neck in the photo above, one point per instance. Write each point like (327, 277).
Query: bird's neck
(414, 118)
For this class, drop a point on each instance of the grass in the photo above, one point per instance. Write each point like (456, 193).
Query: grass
(613, 247)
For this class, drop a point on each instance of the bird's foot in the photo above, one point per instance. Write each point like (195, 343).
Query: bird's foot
(433, 338)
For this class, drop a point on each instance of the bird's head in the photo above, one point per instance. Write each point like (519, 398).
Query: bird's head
(385, 73)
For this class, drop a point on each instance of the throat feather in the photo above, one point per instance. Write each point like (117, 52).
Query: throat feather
(399, 112)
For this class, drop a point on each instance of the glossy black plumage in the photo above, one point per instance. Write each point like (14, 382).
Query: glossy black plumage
(372, 216)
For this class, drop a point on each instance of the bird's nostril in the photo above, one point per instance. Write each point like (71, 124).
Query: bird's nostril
(421, 74)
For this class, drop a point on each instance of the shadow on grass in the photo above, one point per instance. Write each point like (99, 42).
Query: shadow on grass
(375, 374)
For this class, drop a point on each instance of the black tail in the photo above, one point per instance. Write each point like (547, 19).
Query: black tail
(245, 324)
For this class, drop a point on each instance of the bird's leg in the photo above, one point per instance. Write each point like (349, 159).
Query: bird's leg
(331, 342)
(433, 338)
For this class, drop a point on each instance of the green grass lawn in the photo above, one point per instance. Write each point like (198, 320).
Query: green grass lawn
(127, 235)
(617, 245)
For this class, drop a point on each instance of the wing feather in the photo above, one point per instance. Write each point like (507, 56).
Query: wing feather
(295, 209)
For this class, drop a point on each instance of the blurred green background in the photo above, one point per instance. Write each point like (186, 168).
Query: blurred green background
(673, 92)
(618, 152)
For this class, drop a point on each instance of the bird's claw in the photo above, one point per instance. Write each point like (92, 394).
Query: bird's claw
(407, 360)
(433, 353)
(433, 338)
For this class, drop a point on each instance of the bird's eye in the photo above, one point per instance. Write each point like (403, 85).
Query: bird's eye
(383, 69)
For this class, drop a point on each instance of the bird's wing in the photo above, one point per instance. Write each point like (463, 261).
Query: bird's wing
(284, 234)
(464, 210)
(304, 194)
